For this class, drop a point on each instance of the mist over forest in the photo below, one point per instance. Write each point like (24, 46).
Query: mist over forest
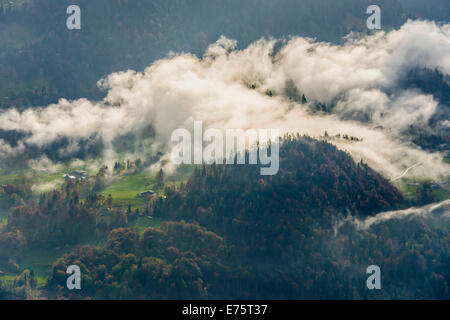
(86, 170)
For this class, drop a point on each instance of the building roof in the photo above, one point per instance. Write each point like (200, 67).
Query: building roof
(147, 193)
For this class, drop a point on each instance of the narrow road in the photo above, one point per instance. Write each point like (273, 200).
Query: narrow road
(406, 171)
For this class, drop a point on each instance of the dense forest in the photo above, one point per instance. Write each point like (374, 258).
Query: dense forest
(229, 233)
(438, 10)
(41, 61)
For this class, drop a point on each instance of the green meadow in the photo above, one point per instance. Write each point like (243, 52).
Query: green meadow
(125, 190)
(40, 261)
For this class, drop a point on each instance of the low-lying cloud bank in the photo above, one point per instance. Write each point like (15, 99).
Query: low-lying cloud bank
(439, 210)
(261, 88)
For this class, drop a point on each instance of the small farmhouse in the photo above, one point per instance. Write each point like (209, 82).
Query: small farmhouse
(76, 175)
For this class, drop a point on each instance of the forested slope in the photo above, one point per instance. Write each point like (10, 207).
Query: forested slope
(41, 61)
(279, 238)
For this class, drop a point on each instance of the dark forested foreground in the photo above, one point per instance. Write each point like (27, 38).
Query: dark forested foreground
(41, 61)
(309, 232)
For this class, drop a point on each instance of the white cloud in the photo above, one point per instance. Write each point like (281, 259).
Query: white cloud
(436, 210)
(227, 89)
